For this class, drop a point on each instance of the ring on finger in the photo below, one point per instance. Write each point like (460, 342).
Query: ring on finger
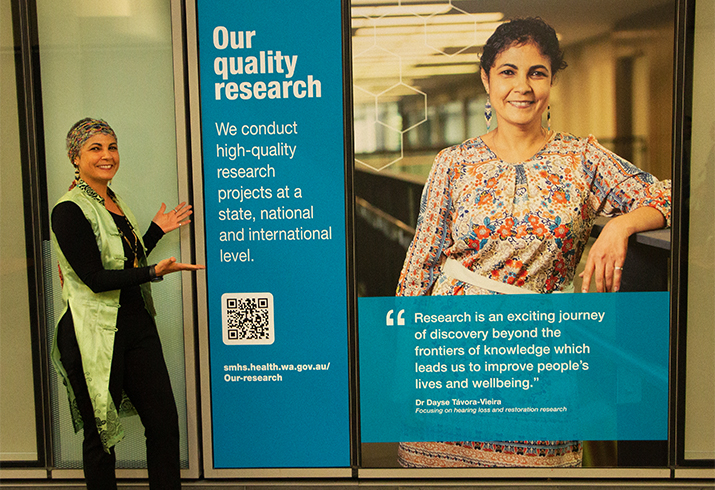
(618, 268)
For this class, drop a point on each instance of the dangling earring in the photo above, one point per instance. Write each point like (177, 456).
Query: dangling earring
(548, 117)
(76, 177)
(488, 113)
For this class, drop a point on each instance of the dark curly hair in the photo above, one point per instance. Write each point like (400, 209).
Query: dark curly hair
(523, 31)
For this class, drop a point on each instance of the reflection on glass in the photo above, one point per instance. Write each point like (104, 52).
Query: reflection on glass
(113, 60)
(700, 393)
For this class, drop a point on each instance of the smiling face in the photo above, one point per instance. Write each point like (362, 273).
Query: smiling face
(98, 160)
(519, 84)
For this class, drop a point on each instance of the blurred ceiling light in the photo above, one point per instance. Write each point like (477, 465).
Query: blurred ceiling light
(390, 10)
(387, 32)
(455, 18)
(433, 39)
(408, 20)
(457, 59)
(430, 71)
(377, 71)
(634, 34)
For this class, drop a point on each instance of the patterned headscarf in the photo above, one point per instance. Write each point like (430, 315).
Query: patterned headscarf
(82, 131)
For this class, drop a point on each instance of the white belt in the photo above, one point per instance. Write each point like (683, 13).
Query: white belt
(456, 270)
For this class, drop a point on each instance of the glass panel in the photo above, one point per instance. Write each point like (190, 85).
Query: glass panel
(18, 439)
(700, 370)
(112, 60)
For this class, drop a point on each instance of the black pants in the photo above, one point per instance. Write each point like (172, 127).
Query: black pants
(139, 369)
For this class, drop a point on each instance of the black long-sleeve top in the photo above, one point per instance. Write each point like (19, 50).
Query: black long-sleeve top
(79, 246)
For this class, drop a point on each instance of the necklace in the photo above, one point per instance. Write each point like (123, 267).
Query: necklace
(133, 246)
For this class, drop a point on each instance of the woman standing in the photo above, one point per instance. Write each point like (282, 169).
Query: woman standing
(511, 212)
(107, 348)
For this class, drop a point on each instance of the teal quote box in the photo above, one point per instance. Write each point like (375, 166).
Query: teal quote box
(523, 367)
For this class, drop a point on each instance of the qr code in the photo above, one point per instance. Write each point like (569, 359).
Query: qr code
(247, 318)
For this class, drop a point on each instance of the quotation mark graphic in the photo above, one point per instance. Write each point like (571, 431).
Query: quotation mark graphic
(389, 321)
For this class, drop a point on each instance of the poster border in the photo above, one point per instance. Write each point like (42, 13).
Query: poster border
(194, 114)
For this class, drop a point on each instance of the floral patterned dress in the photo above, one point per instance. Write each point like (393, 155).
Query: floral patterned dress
(524, 224)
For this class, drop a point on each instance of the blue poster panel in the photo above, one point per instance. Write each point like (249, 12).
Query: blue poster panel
(514, 367)
(274, 189)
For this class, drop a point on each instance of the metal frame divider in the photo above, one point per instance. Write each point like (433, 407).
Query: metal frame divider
(29, 94)
(682, 139)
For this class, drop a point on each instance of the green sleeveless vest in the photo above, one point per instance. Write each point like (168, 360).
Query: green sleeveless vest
(95, 315)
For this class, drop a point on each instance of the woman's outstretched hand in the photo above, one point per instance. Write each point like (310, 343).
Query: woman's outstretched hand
(174, 218)
(167, 266)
